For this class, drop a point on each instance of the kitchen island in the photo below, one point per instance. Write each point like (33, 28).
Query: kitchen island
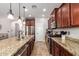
(10, 46)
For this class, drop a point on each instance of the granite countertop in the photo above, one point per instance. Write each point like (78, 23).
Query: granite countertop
(10, 46)
(71, 45)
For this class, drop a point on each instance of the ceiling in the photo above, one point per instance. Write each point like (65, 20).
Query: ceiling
(35, 12)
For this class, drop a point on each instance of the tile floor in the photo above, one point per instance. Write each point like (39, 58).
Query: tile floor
(40, 49)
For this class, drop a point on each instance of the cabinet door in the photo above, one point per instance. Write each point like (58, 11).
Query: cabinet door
(29, 30)
(50, 45)
(53, 48)
(30, 46)
(59, 18)
(75, 14)
(54, 17)
(24, 52)
(32, 23)
(57, 49)
(28, 23)
(49, 23)
(65, 15)
(21, 51)
(18, 53)
(64, 52)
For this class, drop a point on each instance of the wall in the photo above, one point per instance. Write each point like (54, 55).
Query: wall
(5, 25)
(74, 32)
(41, 24)
(8, 26)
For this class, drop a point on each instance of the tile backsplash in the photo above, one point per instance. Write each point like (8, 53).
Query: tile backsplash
(72, 32)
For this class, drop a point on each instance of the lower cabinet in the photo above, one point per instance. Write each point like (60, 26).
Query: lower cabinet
(58, 50)
(26, 49)
(64, 52)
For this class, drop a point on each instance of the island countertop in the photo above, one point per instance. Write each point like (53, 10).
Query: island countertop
(71, 45)
(10, 46)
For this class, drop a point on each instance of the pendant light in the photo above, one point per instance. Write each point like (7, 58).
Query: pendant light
(24, 15)
(10, 15)
(19, 18)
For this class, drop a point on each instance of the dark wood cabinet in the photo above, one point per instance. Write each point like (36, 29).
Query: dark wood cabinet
(29, 30)
(64, 52)
(54, 18)
(49, 23)
(52, 48)
(30, 46)
(30, 23)
(75, 14)
(55, 49)
(65, 15)
(59, 18)
(21, 51)
(26, 49)
(53, 14)
(58, 50)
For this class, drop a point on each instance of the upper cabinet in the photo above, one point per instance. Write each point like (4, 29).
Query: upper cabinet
(65, 15)
(75, 14)
(53, 14)
(30, 26)
(59, 18)
(30, 22)
(33, 23)
(49, 23)
(52, 20)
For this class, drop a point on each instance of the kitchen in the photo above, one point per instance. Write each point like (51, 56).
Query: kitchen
(39, 29)
(64, 34)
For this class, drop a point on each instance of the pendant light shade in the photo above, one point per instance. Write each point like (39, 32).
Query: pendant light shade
(24, 15)
(19, 18)
(24, 22)
(10, 15)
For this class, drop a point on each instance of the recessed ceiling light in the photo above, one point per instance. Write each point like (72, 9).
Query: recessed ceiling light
(26, 9)
(30, 15)
(43, 15)
(44, 9)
